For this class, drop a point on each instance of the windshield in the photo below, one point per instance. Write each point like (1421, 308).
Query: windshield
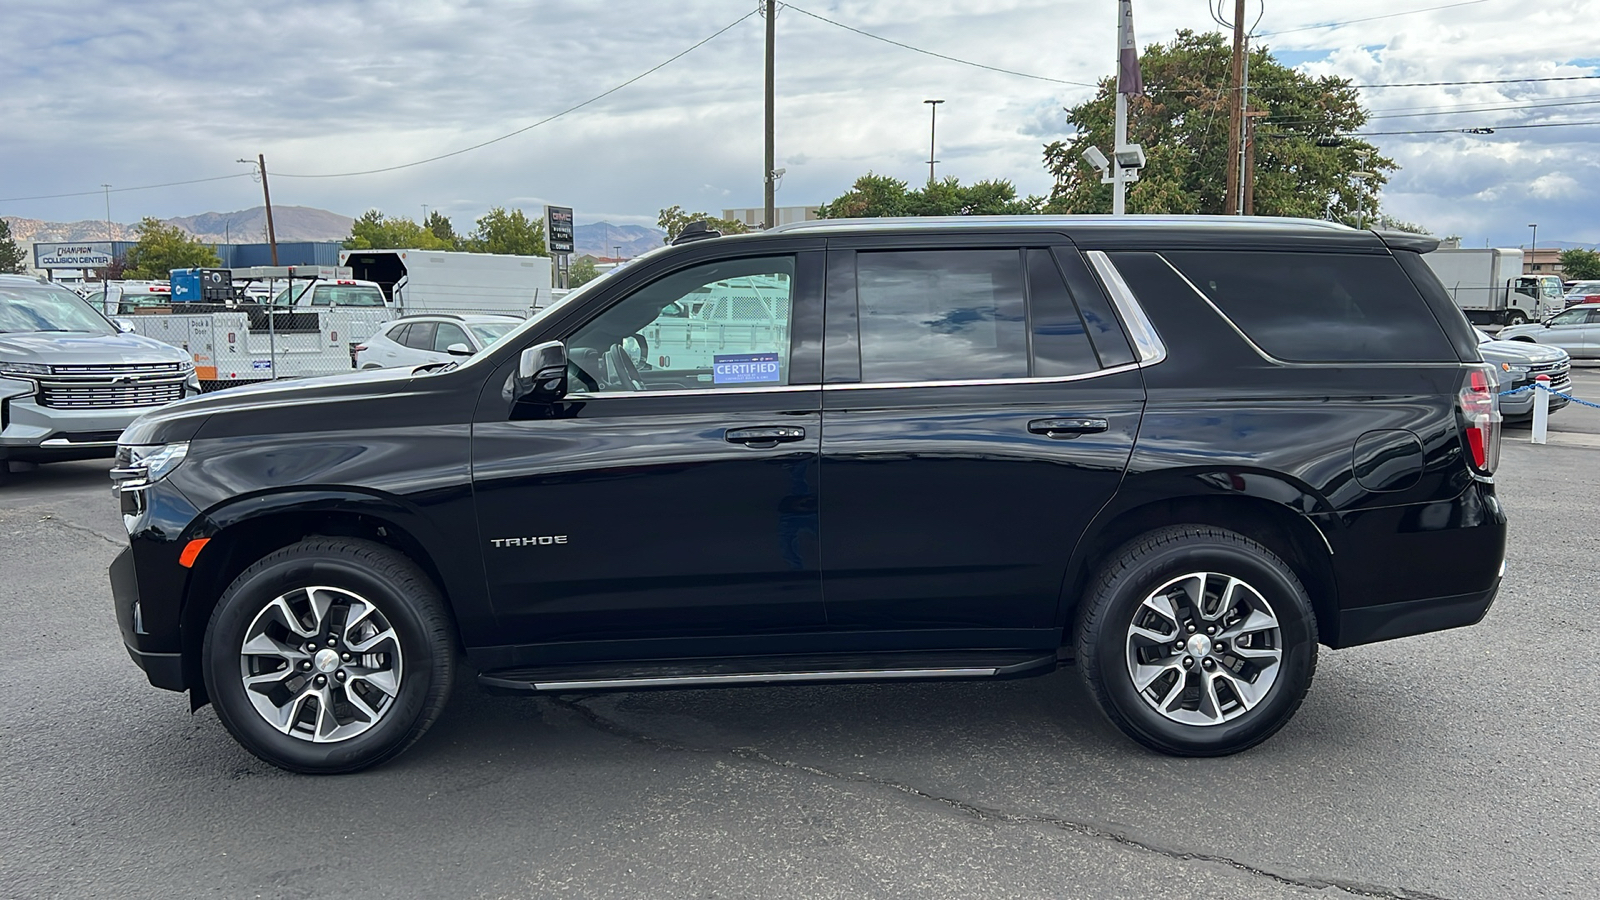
(25, 308)
(489, 332)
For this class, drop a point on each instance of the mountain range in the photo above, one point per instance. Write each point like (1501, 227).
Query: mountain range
(303, 223)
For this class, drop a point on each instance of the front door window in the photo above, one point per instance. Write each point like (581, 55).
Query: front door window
(716, 326)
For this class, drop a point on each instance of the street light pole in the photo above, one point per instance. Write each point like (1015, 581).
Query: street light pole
(933, 131)
(1533, 251)
(108, 211)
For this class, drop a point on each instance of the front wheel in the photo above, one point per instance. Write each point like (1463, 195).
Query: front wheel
(1197, 641)
(1516, 318)
(329, 656)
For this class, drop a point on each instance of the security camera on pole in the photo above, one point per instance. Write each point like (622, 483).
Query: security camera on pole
(1126, 159)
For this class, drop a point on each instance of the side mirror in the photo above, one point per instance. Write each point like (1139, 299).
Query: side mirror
(124, 326)
(458, 350)
(541, 375)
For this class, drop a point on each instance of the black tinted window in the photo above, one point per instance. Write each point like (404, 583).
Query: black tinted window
(1319, 307)
(449, 334)
(1104, 330)
(941, 315)
(1060, 340)
(398, 333)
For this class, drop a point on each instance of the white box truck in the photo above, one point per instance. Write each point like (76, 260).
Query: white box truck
(1488, 285)
(421, 281)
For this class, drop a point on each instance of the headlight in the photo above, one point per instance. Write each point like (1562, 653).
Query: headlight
(138, 466)
(1508, 367)
(186, 365)
(22, 368)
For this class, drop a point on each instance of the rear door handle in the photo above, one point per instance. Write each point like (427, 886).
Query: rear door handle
(770, 435)
(1069, 427)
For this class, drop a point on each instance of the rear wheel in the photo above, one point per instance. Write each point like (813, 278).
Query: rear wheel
(1197, 641)
(329, 656)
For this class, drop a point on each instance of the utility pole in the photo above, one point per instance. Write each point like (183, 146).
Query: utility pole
(770, 214)
(272, 234)
(1231, 195)
(108, 211)
(1533, 259)
(933, 131)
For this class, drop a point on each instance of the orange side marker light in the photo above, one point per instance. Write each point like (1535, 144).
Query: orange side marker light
(192, 550)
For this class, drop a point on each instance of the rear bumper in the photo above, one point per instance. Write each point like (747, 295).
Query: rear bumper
(1422, 567)
(1409, 617)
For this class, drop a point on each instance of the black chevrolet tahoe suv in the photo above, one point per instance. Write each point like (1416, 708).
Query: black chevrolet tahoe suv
(1176, 453)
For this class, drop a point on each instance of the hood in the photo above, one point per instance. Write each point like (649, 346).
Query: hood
(182, 420)
(1521, 352)
(53, 348)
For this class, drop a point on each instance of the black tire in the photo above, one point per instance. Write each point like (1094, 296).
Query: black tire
(1516, 318)
(404, 597)
(1139, 568)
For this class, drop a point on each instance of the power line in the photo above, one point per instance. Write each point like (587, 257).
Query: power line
(1369, 18)
(142, 187)
(1484, 129)
(551, 118)
(1480, 81)
(954, 59)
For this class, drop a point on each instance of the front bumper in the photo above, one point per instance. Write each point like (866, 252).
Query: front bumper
(163, 669)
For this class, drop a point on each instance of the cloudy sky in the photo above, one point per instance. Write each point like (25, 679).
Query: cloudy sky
(135, 94)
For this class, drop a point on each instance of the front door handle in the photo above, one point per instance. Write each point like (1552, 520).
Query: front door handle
(1064, 428)
(769, 436)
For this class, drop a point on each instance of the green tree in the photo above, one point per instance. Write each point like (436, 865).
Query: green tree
(582, 271)
(874, 196)
(162, 248)
(673, 220)
(1304, 161)
(1578, 264)
(12, 259)
(442, 228)
(375, 231)
(512, 232)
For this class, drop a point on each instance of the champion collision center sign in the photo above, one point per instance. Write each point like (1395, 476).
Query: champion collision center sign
(81, 255)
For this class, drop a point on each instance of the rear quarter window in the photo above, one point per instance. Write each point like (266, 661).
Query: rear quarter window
(1319, 307)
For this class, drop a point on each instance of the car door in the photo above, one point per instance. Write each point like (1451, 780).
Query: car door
(979, 408)
(418, 343)
(448, 335)
(1571, 330)
(668, 513)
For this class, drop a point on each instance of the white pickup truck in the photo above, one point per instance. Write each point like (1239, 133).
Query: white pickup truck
(316, 317)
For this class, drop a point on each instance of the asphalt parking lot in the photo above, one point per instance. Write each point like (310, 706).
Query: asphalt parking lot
(1457, 765)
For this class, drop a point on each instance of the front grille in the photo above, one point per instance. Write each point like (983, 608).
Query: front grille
(115, 369)
(112, 386)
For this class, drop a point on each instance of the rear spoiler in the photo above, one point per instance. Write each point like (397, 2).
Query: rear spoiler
(1405, 240)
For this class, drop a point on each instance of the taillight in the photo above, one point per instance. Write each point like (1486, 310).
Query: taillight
(1480, 408)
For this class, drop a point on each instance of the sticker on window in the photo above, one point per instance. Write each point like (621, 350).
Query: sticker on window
(744, 368)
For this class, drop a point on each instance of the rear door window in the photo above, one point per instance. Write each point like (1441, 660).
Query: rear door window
(449, 334)
(1319, 307)
(949, 315)
(420, 336)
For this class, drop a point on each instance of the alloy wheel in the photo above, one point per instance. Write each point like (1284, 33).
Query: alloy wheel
(321, 664)
(1204, 648)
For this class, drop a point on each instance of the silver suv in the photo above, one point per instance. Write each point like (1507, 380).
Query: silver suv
(70, 380)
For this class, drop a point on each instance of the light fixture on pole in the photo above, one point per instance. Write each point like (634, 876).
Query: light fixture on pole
(1361, 206)
(933, 126)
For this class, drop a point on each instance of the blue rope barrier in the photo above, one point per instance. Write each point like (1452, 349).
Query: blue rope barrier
(1548, 390)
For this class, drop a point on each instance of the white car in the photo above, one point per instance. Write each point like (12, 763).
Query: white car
(1575, 330)
(435, 337)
